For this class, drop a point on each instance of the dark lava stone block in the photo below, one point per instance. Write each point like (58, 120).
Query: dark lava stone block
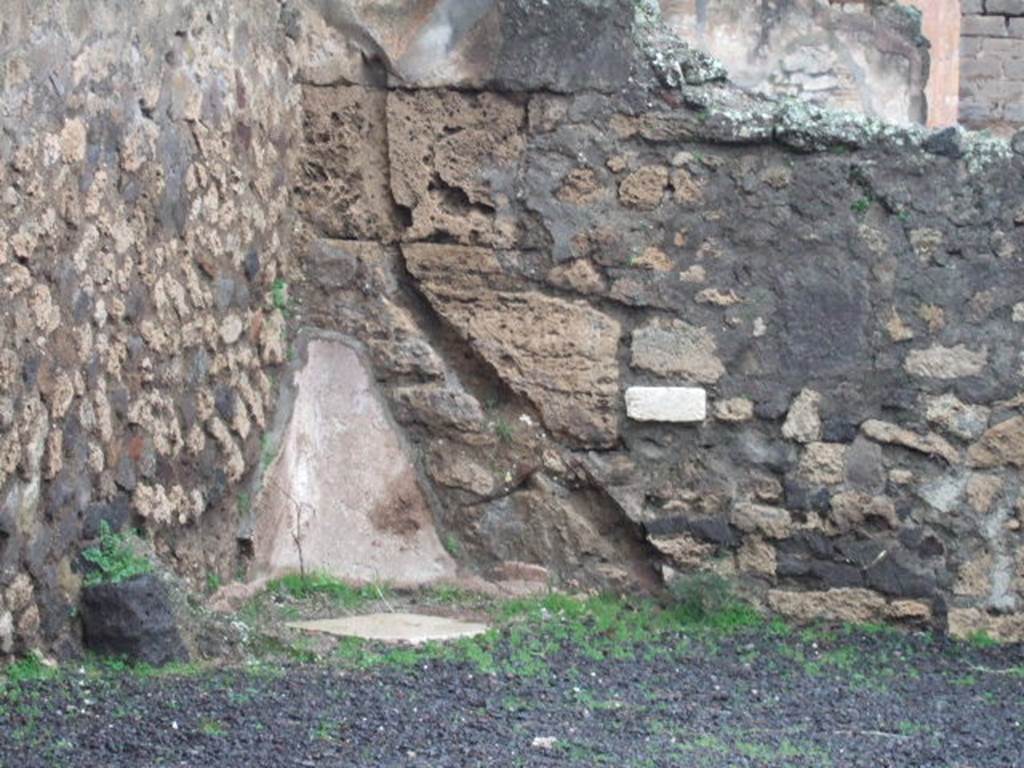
(132, 619)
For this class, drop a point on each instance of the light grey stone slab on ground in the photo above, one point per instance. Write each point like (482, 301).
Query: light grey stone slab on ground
(395, 627)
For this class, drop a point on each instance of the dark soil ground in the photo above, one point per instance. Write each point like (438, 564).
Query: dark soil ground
(560, 682)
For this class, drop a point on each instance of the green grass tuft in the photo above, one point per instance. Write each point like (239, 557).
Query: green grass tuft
(861, 205)
(707, 599)
(279, 295)
(303, 587)
(114, 560)
(982, 639)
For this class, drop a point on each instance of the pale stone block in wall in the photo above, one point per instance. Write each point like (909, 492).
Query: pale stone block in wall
(1016, 28)
(1014, 113)
(973, 6)
(1003, 47)
(1005, 7)
(671, 404)
(971, 46)
(1002, 92)
(981, 68)
(984, 26)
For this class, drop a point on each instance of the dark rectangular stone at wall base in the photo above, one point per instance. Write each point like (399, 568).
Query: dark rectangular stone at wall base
(132, 619)
(891, 577)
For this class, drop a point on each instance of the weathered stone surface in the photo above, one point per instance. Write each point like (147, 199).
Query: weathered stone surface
(982, 490)
(559, 354)
(580, 276)
(6, 632)
(437, 407)
(851, 509)
(133, 619)
(822, 463)
(956, 417)
(343, 188)
(940, 362)
(1001, 445)
(683, 550)
(772, 522)
(852, 605)
(803, 423)
(733, 410)
(157, 184)
(865, 465)
(453, 157)
(342, 496)
(644, 188)
(929, 444)
(566, 531)
(668, 404)
(678, 349)
(975, 577)
(756, 556)
(964, 622)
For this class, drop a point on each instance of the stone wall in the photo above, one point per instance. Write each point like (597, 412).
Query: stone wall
(992, 69)
(632, 334)
(144, 166)
(606, 317)
(863, 55)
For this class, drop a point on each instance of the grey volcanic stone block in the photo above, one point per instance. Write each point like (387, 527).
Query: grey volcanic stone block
(134, 619)
(565, 46)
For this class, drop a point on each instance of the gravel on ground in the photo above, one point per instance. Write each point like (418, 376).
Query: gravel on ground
(560, 683)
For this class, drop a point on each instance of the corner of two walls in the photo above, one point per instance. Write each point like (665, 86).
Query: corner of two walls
(853, 320)
(144, 190)
(510, 260)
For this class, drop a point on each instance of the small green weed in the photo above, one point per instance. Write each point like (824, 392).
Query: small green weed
(982, 639)
(909, 728)
(212, 728)
(965, 680)
(449, 595)
(503, 430)
(302, 587)
(26, 670)
(452, 544)
(326, 731)
(861, 205)
(279, 295)
(114, 560)
(267, 452)
(213, 582)
(708, 599)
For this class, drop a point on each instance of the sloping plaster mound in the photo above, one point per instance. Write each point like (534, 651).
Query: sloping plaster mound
(341, 496)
